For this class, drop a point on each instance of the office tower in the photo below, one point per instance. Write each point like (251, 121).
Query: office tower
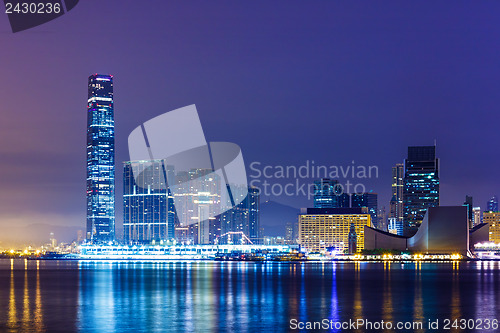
(493, 219)
(395, 226)
(289, 232)
(253, 199)
(197, 201)
(245, 218)
(476, 216)
(368, 200)
(148, 209)
(100, 160)
(492, 204)
(382, 219)
(469, 204)
(344, 200)
(396, 209)
(421, 186)
(326, 193)
(328, 228)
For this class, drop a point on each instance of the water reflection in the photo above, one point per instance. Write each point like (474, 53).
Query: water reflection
(46, 296)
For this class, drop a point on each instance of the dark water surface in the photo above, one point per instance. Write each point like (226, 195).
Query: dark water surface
(103, 296)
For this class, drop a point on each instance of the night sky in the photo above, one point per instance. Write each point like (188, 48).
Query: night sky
(288, 81)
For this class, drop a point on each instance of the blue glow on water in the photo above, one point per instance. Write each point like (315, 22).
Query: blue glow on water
(199, 296)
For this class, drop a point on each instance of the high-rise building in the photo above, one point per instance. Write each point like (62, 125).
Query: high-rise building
(326, 193)
(368, 200)
(421, 186)
(470, 205)
(244, 217)
(492, 204)
(476, 213)
(100, 160)
(345, 200)
(148, 208)
(396, 208)
(197, 198)
(253, 199)
(382, 222)
(324, 228)
(493, 219)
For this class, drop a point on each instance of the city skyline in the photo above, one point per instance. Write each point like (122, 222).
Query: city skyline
(47, 136)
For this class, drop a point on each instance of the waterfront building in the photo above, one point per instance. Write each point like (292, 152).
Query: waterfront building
(421, 186)
(148, 207)
(444, 230)
(322, 228)
(493, 219)
(492, 204)
(368, 200)
(100, 160)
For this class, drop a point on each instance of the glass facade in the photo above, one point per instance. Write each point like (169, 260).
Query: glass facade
(327, 193)
(244, 217)
(148, 210)
(368, 200)
(492, 204)
(396, 210)
(421, 186)
(100, 160)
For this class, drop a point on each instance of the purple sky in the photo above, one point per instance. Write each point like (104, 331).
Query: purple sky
(289, 81)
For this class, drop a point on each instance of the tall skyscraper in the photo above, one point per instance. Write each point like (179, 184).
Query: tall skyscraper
(148, 210)
(253, 199)
(327, 193)
(100, 160)
(492, 204)
(368, 200)
(396, 208)
(421, 186)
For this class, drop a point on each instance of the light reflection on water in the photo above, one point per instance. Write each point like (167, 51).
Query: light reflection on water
(106, 296)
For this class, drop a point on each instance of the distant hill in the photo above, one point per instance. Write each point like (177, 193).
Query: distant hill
(274, 217)
(36, 234)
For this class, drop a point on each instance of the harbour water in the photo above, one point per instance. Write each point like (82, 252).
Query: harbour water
(208, 296)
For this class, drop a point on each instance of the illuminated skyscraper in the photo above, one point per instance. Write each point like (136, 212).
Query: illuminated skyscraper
(244, 217)
(492, 204)
(100, 160)
(396, 208)
(326, 193)
(148, 208)
(368, 200)
(421, 186)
